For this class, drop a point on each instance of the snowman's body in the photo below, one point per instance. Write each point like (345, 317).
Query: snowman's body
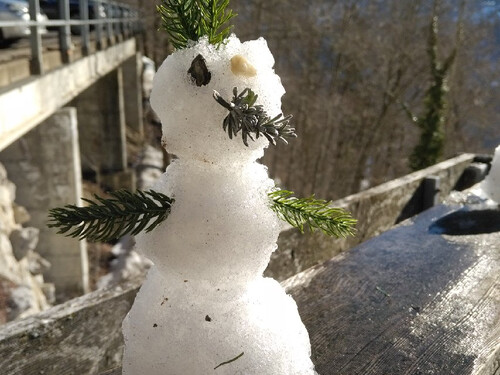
(205, 307)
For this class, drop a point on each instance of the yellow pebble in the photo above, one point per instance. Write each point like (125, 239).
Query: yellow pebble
(240, 66)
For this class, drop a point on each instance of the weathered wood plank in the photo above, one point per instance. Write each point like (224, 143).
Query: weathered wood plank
(82, 336)
(406, 302)
(114, 371)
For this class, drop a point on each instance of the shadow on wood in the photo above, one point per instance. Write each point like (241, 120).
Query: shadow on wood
(406, 302)
(81, 336)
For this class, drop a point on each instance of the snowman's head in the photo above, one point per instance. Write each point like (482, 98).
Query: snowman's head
(192, 120)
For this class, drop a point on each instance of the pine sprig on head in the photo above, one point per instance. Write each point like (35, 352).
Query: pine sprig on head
(186, 20)
(108, 219)
(312, 213)
(250, 119)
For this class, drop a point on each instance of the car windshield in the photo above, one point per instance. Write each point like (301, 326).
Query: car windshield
(16, 2)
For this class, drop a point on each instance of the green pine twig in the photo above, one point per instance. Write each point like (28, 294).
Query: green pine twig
(186, 20)
(249, 118)
(108, 219)
(131, 213)
(213, 19)
(312, 213)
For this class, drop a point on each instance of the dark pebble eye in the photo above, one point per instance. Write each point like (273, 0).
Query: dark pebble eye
(199, 72)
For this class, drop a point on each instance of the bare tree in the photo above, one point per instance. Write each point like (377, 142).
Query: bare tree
(347, 65)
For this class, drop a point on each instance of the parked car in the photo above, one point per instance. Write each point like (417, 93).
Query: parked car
(51, 9)
(17, 10)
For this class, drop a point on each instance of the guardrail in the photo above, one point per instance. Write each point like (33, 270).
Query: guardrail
(121, 19)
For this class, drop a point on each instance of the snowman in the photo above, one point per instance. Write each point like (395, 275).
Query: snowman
(205, 307)
(490, 187)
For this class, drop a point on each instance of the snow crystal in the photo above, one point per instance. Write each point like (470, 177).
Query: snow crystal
(204, 301)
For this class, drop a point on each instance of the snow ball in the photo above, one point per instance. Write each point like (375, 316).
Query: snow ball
(175, 336)
(191, 118)
(220, 228)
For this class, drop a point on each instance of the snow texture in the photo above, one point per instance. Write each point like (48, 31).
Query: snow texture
(491, 184)
(204, 301)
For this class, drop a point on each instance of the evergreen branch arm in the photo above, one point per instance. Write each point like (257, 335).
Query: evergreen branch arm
(132, 213)
(251, 119)
(312, 213)
(108, 219)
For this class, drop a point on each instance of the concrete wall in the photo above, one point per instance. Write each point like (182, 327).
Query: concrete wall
(107, 111)
(132, 89)
(101, 125)
(45, 167)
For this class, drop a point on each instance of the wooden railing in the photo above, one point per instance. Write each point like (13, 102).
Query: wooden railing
(407, 301)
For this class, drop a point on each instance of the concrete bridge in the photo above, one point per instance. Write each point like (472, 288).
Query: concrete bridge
(67, 104)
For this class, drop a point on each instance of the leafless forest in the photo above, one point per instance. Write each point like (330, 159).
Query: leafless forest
(356, 72)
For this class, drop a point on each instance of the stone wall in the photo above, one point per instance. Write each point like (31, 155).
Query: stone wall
(22, 288)
(45, 167)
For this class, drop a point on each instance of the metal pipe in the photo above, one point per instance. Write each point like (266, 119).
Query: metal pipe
(109, 31)
(84, 27)
(431, 189)
(60, 22)
(36, 62)
(65, 44)
(98, 6)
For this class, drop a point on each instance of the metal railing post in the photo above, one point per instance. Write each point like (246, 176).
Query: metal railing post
(65, 44)
(109, 31)
(128, 23)
(36, 62)
(84, 28)
(124, 15)
(431, 191)
(98, 26)
(121, 16)
(116, 16)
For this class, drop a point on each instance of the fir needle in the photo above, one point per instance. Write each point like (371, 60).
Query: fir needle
(231, 360)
